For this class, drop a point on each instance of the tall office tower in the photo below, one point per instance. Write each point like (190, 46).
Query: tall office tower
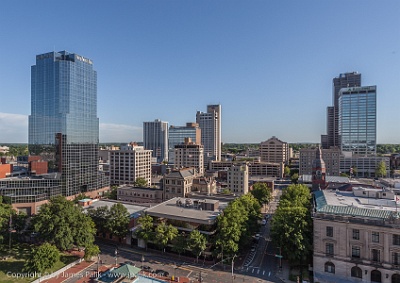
(129, 163)
(210, 125)
(357, 120)
(274, 150)
(155, 138)
(352, 79)
(63, 125)
(189, 154)
(177, 135)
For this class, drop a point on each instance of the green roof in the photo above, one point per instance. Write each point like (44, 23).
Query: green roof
(348, 210)
(125, 270)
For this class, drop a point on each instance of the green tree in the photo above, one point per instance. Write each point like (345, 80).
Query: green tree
(99, 216)
(295, 178)
(291, 225)
(286, 171)
(5, 212)
(141, 182)
(197, 243)
(290, 230)
(164, 234)
(180, 244)
(42, 258)
(91, 251)
(63, 224)
(380, 170)
(146, 230)
(262, 193)
(118, 220)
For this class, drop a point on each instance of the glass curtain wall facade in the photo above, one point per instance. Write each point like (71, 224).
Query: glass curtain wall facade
(177, 135)
(63, 125)
(357, 120)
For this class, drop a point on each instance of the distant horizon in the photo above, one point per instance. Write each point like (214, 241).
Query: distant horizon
(269, 64)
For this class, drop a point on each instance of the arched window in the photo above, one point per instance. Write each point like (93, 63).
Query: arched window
(329, 267)
(396, 278)
(376, 276)
(356, 272)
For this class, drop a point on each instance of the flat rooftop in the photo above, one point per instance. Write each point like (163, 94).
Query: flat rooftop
(346, 204)
(132, 209)
(169, 209)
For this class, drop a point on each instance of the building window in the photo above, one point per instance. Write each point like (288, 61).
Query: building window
(376, 276)
(329, 231)
(376, 256)
(396, 258)
(356, 272)
(375, 237)
(329, 249)
(355, 252)
(356, 234)
(396, 278)
(329, 267)
(396, 240)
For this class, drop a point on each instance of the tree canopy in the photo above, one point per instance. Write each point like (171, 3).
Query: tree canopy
(164, 234)
(63, 224)
(291, 225)
(262, 193)
(42, 258)
(380, 170)
(197, 243)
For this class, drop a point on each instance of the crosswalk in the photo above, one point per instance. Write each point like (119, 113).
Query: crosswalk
(257, 271)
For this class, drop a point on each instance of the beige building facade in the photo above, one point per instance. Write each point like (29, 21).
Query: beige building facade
(330, 156)
(356, 238)
(274, 150)
(238, 179)
(190, 154)
(129, 163)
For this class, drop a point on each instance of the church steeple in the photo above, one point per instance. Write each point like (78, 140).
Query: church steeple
(318, 171)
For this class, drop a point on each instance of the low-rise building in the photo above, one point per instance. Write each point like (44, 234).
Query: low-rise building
(139, 195)
(356, 236)
(178, 183)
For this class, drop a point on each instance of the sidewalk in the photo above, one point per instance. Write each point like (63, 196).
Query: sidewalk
(283, 274)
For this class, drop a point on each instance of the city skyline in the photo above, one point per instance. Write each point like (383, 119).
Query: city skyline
(267, 63)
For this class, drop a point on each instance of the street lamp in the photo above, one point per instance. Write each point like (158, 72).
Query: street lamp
(142, 259)
(98, 267)
(233, 277)
(116, 256)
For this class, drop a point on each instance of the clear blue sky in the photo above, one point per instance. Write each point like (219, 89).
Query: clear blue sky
(269, 64)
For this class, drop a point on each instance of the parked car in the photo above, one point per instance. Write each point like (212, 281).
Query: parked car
(162, 272)
(257, 236)
(264, 222)
(146, 268)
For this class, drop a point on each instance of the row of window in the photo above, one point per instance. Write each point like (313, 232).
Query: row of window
(374, 235)
(356, 272)
(356, 253)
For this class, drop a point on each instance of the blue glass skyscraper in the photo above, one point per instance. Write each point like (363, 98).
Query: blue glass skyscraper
(357, 120)
(63, 125)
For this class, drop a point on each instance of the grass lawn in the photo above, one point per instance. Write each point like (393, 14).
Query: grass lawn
(11, 269)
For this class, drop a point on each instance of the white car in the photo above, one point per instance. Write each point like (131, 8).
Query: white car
(263, 222)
